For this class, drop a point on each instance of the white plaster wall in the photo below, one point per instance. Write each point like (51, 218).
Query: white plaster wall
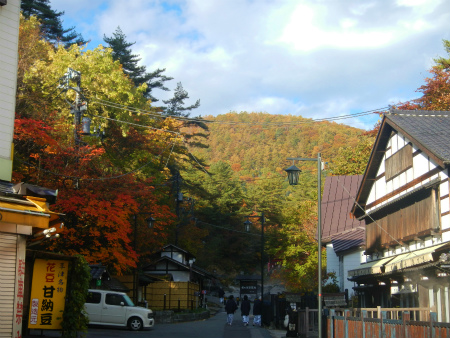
(351, 262)
(180, 276)
(332, 260)
(9, 39)
(174, 255)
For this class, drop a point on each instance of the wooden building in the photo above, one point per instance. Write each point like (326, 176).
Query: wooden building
(404, 203)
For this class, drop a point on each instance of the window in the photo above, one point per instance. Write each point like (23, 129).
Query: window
(93, 298)
(114, 299)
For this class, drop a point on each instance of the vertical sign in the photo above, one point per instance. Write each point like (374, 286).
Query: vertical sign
(19, 289)
(48, 293)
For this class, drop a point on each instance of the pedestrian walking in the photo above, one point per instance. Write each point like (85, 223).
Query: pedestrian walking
(257, 311)
(230, 308)
(245, 310)
(221, 294)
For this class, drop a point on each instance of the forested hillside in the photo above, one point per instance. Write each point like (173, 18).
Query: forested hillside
(246, 156)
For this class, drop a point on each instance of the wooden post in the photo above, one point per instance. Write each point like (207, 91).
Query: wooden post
(307, 321)
(433, 319)
(383, 325)
(331, 323)
(346, 315)
(363, 316)
(406, 318)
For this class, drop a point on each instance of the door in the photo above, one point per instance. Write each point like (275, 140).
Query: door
(114, 309)
(93, 307)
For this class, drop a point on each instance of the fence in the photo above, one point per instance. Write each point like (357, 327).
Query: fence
(363, 326)
(172, 295)
(416, 314)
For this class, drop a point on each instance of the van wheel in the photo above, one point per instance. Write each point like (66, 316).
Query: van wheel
(135, 324)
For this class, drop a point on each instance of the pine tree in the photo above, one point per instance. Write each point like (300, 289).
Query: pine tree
(51, 22)
(175, 104)
(129, 61)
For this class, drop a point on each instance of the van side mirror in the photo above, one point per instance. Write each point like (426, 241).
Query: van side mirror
(122, 304)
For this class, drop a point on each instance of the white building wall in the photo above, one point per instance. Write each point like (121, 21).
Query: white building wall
(9, 42)
(332, 261)
(351, 261)
(178, 256)
(421, 165)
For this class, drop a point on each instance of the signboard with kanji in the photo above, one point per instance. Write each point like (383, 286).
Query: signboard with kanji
(20, 287)
(248, 287)
(48, 293)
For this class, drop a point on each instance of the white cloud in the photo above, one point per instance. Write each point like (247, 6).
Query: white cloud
(317, 59)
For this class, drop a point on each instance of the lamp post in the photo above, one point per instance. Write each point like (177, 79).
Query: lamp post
(293, 176)
(150, 222)
(247, 225)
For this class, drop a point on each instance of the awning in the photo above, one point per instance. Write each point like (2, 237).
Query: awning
(370, 268)
(413, 258)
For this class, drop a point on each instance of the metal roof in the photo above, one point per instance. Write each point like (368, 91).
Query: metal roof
(354, 238)
(339, 195)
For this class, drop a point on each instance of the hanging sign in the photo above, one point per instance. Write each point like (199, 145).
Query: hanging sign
(48, 291)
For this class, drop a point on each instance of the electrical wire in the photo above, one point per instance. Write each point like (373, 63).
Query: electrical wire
(232, 230)
(150, 113)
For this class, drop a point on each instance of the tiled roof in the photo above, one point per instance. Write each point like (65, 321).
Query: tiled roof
(349, 239)
(427, 130)
(98, 270)
(337, 201)
(431, 129)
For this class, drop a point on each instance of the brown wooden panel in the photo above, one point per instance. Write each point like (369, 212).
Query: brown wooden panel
(399, 162)
(418, 219)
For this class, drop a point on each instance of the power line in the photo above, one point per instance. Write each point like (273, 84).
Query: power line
(150, 113)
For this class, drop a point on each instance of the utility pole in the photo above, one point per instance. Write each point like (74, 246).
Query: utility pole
(79, 107)
(178, 201)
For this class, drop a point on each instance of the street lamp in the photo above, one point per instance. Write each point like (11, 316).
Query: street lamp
(293, 176)
(150, 222)
(247, 225)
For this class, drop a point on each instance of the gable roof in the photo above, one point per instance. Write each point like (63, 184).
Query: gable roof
(339, 194)
(429, 131)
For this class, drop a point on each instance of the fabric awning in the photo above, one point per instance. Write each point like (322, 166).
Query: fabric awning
(413, 258)
(370, 268)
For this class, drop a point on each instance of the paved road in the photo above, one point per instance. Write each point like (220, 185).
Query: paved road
(214, 327)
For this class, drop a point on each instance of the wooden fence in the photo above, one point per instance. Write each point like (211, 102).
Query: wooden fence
(363, 326)
(172, 295)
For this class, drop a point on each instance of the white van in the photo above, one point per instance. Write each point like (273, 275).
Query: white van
(105, 307)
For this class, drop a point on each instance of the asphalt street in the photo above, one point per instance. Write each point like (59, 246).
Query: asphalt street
(215, 327)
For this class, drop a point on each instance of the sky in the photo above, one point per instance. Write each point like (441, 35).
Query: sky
(312, 58)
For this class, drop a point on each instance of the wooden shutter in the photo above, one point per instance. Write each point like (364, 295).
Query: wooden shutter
(8, 253)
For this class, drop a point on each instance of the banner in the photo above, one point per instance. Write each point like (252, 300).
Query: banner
(48, 291)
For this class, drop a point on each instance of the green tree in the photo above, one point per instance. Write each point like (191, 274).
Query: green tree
(352, 160)
(441, 62)
(52, 26)
(129, 61)
(175, 105)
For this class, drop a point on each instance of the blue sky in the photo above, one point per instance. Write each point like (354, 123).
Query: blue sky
(314, 58)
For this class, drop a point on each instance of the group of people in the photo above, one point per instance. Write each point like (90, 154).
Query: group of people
(231, 307)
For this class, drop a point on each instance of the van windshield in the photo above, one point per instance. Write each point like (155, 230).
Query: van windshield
(128, 301)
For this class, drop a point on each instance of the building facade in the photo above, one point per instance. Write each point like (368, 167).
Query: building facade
(404, 203)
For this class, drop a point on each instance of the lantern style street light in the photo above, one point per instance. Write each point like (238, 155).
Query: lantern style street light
(150, 222)
(247, 225)
(293, 176)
